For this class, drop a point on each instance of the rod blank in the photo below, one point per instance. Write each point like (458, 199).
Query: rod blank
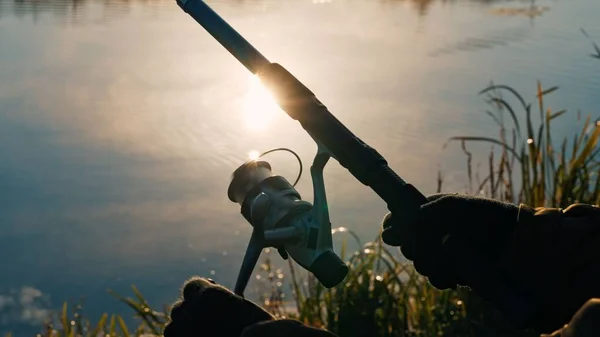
(228, 37)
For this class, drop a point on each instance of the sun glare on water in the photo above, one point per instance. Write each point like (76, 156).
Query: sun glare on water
(253, 155)
(259, 107)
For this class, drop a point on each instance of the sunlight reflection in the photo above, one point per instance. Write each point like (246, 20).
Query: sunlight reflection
(253, 155)
(259, 107)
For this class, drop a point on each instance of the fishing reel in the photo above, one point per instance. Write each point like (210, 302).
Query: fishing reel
(282, 220)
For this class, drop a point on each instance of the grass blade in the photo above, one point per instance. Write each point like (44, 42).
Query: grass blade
(112, 326)
(123, 326)
(63, 318)
(511, 90)
(486, 140)
(100, 326)
(504, 104)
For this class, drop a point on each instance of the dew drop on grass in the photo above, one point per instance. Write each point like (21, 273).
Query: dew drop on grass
(212, 272)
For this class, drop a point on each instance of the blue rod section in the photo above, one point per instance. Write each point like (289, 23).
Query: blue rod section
(228, 37)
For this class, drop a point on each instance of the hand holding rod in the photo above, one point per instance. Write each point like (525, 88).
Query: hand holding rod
(362, 161)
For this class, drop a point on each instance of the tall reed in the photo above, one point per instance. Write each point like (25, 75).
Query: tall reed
(531, 167)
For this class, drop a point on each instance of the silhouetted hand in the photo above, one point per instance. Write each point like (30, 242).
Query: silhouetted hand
(552, 255)
(209, 309)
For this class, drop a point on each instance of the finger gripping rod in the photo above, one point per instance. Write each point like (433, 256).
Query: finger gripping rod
(362, 161)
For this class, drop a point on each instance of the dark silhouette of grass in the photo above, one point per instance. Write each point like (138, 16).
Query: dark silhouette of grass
(530, 167)
(596, 55)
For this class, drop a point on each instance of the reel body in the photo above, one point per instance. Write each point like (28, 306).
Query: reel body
(281, 219)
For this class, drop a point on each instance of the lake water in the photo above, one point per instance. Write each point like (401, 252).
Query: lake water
(121, 122)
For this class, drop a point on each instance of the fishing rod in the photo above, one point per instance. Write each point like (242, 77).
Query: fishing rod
(297, 228)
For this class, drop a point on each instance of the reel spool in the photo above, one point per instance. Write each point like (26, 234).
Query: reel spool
(281, 219)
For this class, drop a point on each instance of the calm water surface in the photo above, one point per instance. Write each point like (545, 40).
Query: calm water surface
(121, 122)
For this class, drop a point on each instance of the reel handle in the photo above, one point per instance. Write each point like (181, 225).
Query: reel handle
(329, 269)
(255, 247)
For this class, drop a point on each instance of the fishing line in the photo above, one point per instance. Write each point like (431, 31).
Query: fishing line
(292, 152)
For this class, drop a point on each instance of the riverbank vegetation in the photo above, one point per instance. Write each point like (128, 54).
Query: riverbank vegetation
(383, 295)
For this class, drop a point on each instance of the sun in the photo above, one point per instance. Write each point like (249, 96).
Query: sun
(253, 155)
(258, 107)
